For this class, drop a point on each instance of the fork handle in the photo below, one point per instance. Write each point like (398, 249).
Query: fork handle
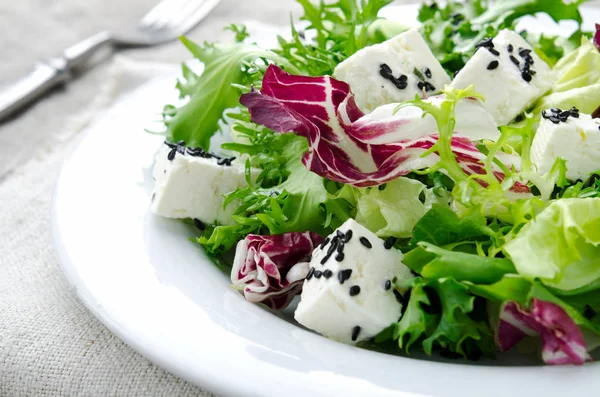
(48, 74)
(45, 76)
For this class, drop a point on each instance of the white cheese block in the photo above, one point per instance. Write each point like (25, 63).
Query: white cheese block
(194, 187)
(577, 141)
(403, 54)
(349, 297)
(501, 81)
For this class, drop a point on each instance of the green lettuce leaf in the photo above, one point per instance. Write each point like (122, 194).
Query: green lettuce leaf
(511, 287)
(441, 226)
(561, 246)
(392, 209)
(578, 81)
(460, 266)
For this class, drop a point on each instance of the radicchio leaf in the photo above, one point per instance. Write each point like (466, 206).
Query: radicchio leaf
(597, 37)
(361, 150)
(562, 340)
(271, 269)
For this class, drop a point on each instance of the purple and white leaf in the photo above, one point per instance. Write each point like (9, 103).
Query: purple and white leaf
(362, 150)
(562, 339)
(271, 269)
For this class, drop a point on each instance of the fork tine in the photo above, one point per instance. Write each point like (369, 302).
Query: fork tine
(158, 12)
(195, 11)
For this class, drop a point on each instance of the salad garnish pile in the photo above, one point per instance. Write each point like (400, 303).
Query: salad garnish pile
(433, 188)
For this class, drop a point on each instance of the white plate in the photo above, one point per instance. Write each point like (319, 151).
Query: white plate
(156, 290)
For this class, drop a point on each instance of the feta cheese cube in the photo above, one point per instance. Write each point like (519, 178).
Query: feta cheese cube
(393, 71)
(348, 294)
(577, 140)
(193, 186)
(509, 75)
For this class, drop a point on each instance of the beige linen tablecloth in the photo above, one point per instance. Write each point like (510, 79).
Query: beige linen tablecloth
(50, 345)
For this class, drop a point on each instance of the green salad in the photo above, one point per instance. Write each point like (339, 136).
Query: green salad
(430, 188)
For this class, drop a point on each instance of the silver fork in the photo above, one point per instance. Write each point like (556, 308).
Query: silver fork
(165, 22)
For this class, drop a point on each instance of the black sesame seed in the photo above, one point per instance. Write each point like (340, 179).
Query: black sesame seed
(400, 84)
(339, 257)
(225, 161)
(364, 241)
(493, 65)
(382, 187)
(339, 233)
(427, 72)
(388, 285)
(310, 274)
(529, 60)
(169, 144)
(589, 312)
(344, 275)
(510, 48)
(429, 86)
(554, 119)
(333, 246)
(574, 112)
(172, 153)
(355, 333)
(421, 85)
(514, 60)
(565, 114)
(324, 243)
(524, 52)
(486, 43)
(403, 77)
(195, 152)
(199, 224)
(493, 51)
(527, 77)
(327, 273)
(398, 296)
(318, 273)
(348, 236)
(354, 290)
(385, 70)
(389, 243)
(341, 245)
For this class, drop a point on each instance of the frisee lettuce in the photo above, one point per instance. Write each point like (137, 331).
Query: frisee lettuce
(441, 314)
